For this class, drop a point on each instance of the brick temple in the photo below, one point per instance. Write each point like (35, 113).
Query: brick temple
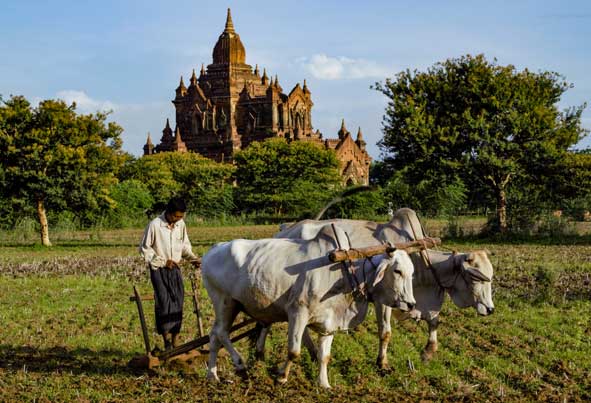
(230, 104)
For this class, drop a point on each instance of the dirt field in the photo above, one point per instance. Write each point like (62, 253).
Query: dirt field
(69, 331)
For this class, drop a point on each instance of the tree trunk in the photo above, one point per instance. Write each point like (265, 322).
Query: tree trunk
(43, 222)
(502, 210)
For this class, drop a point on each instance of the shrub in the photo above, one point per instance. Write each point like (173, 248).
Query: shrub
(131, 199)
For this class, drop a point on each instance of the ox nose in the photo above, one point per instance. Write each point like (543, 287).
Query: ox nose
(490, 310)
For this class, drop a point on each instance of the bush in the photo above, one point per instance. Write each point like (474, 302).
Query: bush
(203, 183)
(576, 208)
(131, 198)
(280, 178)
(434, 196)
(368, 205)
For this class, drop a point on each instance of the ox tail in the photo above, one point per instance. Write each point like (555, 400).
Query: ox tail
(346, 193)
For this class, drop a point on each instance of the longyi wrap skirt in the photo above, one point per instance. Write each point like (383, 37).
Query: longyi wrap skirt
(169, 294)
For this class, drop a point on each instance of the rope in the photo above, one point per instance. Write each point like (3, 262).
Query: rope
(353, 284)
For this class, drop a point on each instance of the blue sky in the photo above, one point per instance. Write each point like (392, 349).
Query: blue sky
(128, 56)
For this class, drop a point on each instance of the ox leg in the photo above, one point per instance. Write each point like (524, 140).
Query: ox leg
(324, 344)
(309, 344)
(226, 310)
(260, 343)
(296, 326)
(214, 347)
(383, 316)
(306, 339)
(431, 346)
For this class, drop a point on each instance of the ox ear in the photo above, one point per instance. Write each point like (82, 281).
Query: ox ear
(381, 270)
(474, 274)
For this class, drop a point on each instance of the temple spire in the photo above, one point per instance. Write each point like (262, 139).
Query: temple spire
(305, 86)
(149, 147)
(202, 70)
(256, 70)
(193, 78)
(343, 131)
(359, 134)
(181, 89)
(166, 133)
(179, 144)
(229, 24)
(265, 79)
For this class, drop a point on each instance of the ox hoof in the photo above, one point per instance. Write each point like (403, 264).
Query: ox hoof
(212, 378)
(282, 380)
(259, 355)
(242, 373)
(426, 356)
(382, 364)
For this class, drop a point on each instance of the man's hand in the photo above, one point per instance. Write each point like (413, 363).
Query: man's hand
(170, 264)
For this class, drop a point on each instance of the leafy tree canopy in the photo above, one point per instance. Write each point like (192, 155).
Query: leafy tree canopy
(53, 158)
(285, 178)
(485, 124)
(205, 184)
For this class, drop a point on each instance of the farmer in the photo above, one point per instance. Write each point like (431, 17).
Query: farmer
(164, 243)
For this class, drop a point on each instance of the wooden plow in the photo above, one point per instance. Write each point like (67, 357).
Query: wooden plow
(187, 351)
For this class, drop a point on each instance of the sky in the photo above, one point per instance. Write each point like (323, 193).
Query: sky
(128, 56)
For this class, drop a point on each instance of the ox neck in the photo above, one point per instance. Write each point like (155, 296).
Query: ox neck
(444, 266)
(364, 274)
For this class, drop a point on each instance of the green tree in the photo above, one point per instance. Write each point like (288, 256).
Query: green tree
(571, 184)
(278, 177)
(53, 158)
(205, 184)
(132, 198)
(484, 123)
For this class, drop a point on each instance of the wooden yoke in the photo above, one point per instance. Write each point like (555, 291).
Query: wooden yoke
(340, 255)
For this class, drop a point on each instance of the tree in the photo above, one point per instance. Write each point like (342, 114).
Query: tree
(484, 123)
(204, 183)
(285, 178)
(132, 198)
(570, 185)
(53, 158)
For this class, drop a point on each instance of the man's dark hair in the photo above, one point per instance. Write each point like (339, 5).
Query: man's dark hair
(176, 204)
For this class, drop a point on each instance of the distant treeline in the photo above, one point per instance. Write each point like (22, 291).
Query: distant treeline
(465, 136)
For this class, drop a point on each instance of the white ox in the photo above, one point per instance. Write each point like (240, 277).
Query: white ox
(292, 280)
(466, 277)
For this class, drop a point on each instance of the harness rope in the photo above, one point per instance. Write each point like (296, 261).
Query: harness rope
(358, 289)
(354, 284)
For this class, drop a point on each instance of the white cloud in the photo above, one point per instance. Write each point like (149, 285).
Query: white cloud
(325, 67)
(137, 119)
(84, 103)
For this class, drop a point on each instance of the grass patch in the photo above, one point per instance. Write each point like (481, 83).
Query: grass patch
(69, 331)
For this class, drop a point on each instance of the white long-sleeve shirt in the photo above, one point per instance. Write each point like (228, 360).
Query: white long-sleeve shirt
(161, 242)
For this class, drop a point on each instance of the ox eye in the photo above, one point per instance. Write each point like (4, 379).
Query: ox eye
(397, 271)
